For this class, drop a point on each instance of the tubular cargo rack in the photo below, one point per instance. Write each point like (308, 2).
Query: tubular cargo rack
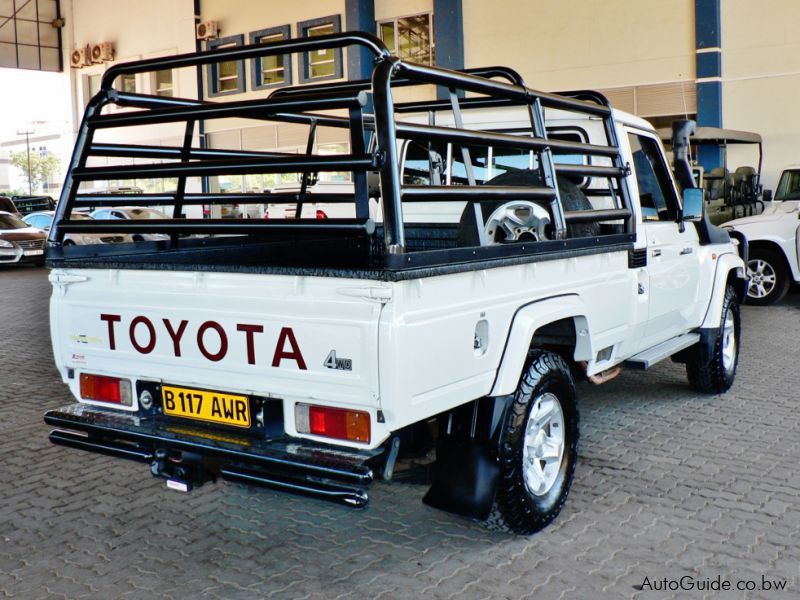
(368, 111)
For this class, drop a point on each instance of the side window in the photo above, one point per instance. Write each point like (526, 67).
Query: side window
(424, 164)
(656, 192)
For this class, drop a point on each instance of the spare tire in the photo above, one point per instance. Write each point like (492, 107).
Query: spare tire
(572, 198)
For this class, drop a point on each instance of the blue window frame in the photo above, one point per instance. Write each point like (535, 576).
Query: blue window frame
(320, 65)
(271, 71)
(227, 77)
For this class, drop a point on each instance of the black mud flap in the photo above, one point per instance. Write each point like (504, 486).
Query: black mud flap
(464, 479)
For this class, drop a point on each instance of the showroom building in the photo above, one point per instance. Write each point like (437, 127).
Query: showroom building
(733, 64)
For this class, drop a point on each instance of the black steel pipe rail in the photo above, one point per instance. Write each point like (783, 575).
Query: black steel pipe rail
(365, 84)
(434, 193)
(592, 216)
(480, 85)
(148, 101)
(464, 103)
(338, 162)
(500, 140)
(252, 109)
(591, 170)
(83, 200)
(176, 153)
(193, 59)
(233, 226)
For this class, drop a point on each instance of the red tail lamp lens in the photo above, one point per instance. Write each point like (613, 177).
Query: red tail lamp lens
(337, 423)
(321, 214)
(101, 388)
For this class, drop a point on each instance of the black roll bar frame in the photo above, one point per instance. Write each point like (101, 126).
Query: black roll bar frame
(300, 104)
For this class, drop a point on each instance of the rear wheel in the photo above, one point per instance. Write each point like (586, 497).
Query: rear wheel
(769, 278)
(538, 448)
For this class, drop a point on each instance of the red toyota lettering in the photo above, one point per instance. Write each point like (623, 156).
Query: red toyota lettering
(223, 341)
(249, 332)
(111, 319)
(176, 335)
(147, 348)
(285, 335)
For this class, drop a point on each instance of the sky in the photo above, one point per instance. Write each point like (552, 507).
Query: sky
(30, 96)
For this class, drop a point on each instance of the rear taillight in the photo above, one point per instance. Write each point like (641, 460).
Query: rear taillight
(321, 214)
(337, 423)
(101, 388)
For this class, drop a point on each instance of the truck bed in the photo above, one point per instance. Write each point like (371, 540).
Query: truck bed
(433, 250)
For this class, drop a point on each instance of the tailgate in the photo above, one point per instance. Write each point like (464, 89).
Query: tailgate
(289, 337)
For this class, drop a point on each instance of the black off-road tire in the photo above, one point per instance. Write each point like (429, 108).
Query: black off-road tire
(713, 377)
(515, 508)
(778, 265)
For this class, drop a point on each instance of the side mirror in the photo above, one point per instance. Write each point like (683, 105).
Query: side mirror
(692, 204)
(766, 196)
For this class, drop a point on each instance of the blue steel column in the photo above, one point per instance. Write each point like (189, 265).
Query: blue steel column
(448, 36)
(708, 42)
(359, 15)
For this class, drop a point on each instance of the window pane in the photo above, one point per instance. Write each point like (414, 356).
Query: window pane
(655, 187)
(128, 83)
(163, 82)
(414, 38)
(321, 63)
(272, 67)
(387, 35)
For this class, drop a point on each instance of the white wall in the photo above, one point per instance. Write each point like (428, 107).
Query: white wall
(761, 80)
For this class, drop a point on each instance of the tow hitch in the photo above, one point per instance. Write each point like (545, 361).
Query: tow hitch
(183, 470)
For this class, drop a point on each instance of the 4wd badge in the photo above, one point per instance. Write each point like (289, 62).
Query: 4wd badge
(341, 364)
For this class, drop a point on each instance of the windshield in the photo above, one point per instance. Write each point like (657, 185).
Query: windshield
(789, 186)
(145, 213)
(12, 222)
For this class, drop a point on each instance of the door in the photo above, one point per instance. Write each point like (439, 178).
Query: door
(673, 263)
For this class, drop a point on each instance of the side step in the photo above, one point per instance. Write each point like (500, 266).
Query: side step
(646, 359)
(349, 496)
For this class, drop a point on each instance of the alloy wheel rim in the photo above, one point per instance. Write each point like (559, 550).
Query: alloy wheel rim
(543, 446)
(728, 342)
(762, 278)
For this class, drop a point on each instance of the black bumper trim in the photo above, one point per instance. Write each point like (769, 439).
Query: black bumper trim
(113, 432)
(325, 490)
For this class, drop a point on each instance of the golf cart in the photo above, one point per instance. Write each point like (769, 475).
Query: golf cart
(727, 195)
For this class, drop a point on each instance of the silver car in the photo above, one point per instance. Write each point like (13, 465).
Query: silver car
(44, 219)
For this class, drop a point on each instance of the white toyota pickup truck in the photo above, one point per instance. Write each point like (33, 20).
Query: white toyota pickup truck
(309, 355)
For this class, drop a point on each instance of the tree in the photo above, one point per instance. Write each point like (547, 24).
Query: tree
(42, 167)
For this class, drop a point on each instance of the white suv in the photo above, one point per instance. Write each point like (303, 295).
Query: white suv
(772, 236)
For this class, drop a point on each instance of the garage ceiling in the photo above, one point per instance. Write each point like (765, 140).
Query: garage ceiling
(30, 34)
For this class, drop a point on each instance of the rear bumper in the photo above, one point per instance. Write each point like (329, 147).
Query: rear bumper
(283, 463)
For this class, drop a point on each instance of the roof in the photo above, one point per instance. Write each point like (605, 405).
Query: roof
(715, 134)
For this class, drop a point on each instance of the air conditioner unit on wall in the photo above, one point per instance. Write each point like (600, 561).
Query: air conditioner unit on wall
(102, 52)
(207, 30)
(81, 57)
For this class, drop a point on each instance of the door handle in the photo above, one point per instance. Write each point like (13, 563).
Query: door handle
(656, 252)
(686, 251)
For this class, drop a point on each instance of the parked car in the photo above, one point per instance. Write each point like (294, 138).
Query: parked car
(44, 219)
(19, 242)
(29, 204)
(772, 237)
(133, 212)
(7, 205)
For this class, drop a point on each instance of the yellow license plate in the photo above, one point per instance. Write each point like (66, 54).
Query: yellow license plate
(202, 405)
